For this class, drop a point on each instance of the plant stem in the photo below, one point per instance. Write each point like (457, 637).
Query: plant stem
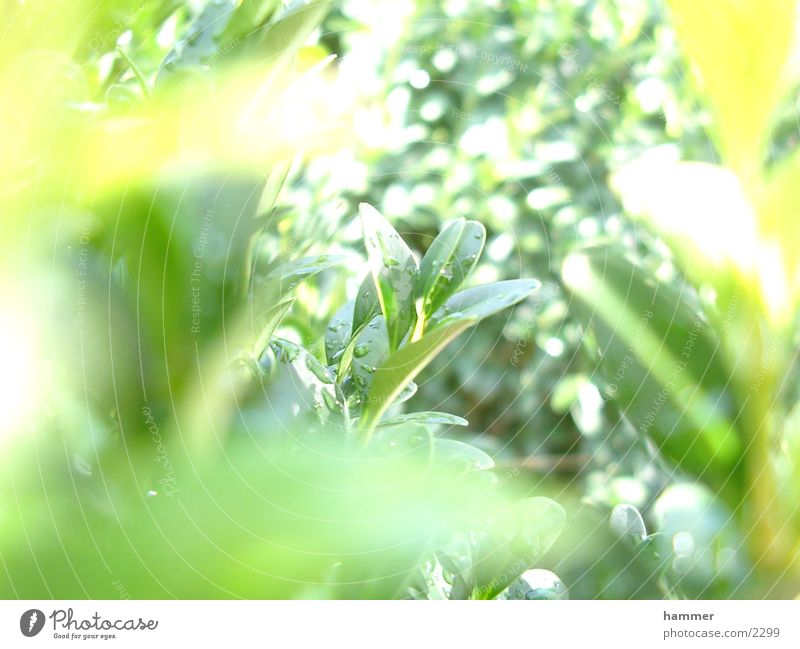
(136, 72)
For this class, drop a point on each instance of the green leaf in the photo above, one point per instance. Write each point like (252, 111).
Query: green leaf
(427, 417)
(661, 361)
(200, 42)
(627, 522)
(316, 383)
(394, 271)
(282, 37)
(338, 333)
(406, 393)
(366, 308)
(540, 521)
(449, 259)
(448, 451)
(371, 349)
(483, 301)
(273, 185)
(537, 584)
(367, 305)
(405, 441)
(249, 16)
(402, 367)
(272, 292)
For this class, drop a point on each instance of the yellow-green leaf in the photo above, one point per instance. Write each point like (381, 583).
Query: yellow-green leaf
(738, 51)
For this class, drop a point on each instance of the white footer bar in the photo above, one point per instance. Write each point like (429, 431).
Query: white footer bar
(403, 624)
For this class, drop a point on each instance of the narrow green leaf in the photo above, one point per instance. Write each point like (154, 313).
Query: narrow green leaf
(367, 305)
(403, 366)
(394, 271)
(449, 259)
(366, 308)
(273, 184)
(426, 417)
(482, 301)
(249, 16)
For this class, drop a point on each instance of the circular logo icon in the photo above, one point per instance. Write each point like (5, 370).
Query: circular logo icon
(31, 622)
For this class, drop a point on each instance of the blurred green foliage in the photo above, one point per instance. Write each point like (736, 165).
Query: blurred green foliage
(224, 383)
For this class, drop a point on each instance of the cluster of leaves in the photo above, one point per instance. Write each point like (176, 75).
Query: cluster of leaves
(404, 314)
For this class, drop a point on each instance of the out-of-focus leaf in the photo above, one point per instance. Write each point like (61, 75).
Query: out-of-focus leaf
(660, 360)
(537, 584)
(699, 208)
(447, 262)
(394, 271)
(249, 16)
(284, 35)
(449, 451)
(540, 521)
(698, 532)
(778, 204)
(739, 65)
(518, 540)
(483, 301)
(272, 293)
(405, 440)
(627, 522)
(275, 181)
